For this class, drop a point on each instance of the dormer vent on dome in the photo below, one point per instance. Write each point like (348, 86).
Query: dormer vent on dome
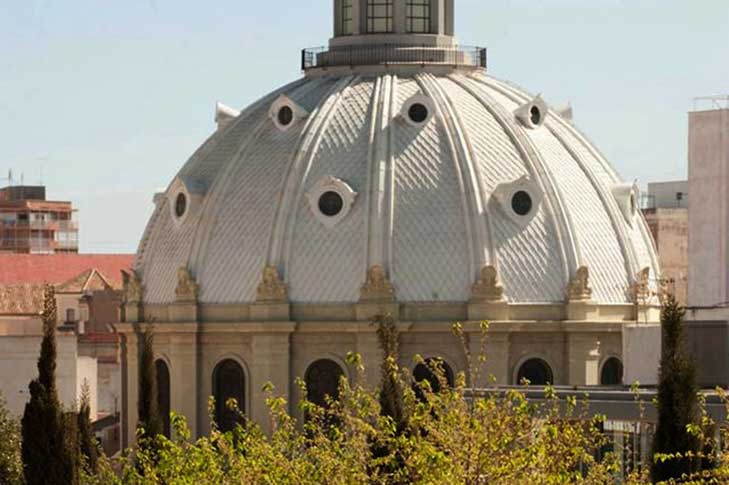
(393, 33)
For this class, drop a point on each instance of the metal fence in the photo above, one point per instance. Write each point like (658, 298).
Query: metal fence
(384, 54)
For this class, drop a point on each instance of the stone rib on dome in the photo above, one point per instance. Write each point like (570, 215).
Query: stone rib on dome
(429, 204)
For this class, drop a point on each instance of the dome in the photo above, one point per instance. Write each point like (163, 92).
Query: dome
(433, 180)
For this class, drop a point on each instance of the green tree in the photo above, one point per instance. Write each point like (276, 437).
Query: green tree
(47, 459)
(11, 464)
(87, 441)
(677, 402)
(150, 422)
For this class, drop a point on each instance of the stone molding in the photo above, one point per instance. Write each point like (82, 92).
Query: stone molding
(187, 289)
(488, 287)
(377, 287)
(272, 288)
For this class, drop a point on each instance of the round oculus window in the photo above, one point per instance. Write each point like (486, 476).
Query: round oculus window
(418, 112)
(522, 203)
(180, 205)
(331, 203)
(535, 115)
(285, 115)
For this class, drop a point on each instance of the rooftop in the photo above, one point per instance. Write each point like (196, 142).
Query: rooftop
(20, 269)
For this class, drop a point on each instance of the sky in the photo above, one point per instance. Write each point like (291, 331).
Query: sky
(103, 101)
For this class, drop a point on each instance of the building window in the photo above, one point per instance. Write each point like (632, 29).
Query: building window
(163, 394)
(536, 371)
(322, 380)
(612, 372)
(228, 383)
(521, 203)
(379, 16)
(347, 26)
(424, 372)
(70, 315)
(418, 16)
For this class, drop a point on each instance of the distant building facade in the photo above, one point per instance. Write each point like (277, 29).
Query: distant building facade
(709, 208)
(88, 297)
(31, 224)
(665, 208)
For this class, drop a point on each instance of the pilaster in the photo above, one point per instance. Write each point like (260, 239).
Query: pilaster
(583, 357)
(270, 362)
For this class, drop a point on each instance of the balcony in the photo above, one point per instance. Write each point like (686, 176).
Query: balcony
(393, 54)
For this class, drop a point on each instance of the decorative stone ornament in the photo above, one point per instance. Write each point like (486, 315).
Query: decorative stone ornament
(519, 199)
(187, 289)
(330, 200)
(627, 197)
(533, 113)
(418, 110)
(579, 288)
(488, 287)
(285, 113)
(641, 287)
(132, 287)
(377, 288)
(272, 288)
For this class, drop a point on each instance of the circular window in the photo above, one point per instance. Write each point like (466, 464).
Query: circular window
(522, 203)
(535, 114)
(180, 205)
(285, 115)
(331, 204)
(418, 113)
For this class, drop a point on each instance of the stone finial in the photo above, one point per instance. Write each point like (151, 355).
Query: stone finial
(377, 287)
(187, 289)
(579, 287)
(272, 288)
(132, 287)
(641, 289)
(488, 286)
(665, 288)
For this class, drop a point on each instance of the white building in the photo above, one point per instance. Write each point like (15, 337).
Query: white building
(395, 177)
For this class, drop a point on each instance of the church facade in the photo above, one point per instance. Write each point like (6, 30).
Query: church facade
(396, 177)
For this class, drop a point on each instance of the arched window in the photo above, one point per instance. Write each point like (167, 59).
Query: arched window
(346, 25)
(418, 16)
(536, 371)
(379, 16)
(163, 394)
(612, 372)
(228, 383)
(424, 372)
(322, 380)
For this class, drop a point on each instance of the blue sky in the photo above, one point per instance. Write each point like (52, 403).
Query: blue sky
(107, 99)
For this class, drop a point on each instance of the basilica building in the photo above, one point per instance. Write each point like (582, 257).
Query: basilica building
(395, 177)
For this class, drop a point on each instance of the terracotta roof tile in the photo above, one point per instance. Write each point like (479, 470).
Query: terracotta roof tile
(18, 269)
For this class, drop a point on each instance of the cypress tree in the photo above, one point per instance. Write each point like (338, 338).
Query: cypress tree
(677, 398)
(150, 422)
(87, 441)
(46, 457)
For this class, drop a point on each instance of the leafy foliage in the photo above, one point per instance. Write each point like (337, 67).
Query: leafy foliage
(47, 458)
(11, 464)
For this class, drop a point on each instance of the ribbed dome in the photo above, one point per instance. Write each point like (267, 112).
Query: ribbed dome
(330, 176)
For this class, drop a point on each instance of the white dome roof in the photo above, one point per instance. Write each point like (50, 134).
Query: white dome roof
(431, 203)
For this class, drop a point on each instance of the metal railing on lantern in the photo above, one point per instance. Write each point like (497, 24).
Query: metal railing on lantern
(384, 54)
